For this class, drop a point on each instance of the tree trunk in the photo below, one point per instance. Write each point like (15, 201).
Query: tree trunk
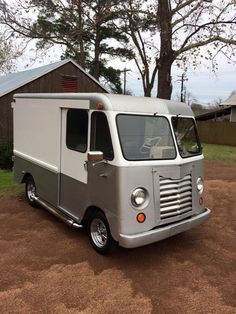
(164, 79)
(95, 68)
(164, 85)
(96, 63)
(148, 90)
(82, 62)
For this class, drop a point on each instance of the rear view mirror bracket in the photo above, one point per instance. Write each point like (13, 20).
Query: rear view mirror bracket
(96, 157)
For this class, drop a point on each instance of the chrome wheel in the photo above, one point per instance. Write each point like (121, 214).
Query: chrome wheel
(99, 233)
(31, 191)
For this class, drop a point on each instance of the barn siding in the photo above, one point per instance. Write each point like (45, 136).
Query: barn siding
(6, 117)
(48, 83)
(233, 114)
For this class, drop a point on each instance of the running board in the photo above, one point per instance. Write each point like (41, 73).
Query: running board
(56, 212)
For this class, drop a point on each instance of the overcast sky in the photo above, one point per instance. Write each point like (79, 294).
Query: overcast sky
(203, 84)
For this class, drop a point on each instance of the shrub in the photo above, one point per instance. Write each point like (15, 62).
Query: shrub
(6, 152)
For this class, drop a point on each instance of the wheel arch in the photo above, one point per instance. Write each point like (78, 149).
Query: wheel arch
(112, 221)
(26, 176)
(88, 213)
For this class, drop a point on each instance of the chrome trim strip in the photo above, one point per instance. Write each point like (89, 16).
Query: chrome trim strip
(37, 161)
(56, 212)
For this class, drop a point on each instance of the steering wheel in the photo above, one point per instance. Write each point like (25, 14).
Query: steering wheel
(149, 142)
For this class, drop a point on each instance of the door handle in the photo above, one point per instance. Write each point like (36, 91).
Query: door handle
(86, 166)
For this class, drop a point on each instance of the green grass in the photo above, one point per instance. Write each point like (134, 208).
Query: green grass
(7, 187)
(219, 152)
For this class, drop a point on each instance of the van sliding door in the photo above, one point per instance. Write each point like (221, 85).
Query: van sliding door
(73, 177)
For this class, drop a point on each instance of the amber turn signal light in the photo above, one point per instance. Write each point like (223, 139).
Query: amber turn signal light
(99, 106)
(141, 217)
(200, 201)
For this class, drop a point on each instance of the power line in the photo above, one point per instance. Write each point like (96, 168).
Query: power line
(182, 89)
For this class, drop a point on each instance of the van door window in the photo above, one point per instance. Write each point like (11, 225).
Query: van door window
(77, 130)
(100, 135)
(186, 136)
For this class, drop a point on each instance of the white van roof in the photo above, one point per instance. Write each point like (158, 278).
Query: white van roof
(121, 103)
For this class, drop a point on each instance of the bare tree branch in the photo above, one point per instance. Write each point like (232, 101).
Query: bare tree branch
(184, 48)
(183, 4)
(204, 43)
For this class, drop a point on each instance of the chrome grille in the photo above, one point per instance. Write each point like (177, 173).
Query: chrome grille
(175, 196)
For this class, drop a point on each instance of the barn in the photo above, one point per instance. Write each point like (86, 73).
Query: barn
(62, 76)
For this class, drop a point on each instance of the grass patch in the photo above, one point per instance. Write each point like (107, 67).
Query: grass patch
(219, 152)
(7, 187)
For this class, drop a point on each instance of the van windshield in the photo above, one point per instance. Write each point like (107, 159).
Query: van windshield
(145, 137)
(186, 136)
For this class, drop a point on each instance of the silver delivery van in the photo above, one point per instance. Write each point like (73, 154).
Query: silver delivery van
(128, 169)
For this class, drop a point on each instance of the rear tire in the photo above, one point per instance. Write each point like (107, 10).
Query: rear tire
(99, 234)
(30, 191)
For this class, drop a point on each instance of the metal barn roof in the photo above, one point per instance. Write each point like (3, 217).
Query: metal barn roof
(231, 101)
(10, 82)
(213, 114)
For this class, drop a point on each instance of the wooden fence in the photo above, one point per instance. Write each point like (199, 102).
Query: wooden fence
(219, 132)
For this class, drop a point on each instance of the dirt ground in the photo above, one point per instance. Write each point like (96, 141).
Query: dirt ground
(46, 267)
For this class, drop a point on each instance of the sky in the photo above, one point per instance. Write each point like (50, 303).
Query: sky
(207, 86)
(203, 85)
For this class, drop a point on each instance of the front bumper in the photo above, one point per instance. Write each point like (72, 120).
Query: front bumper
(140, 239)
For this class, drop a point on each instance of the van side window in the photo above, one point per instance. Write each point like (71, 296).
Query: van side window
(100, 135)
(77, 130)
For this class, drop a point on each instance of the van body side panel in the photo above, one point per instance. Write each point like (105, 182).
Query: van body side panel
(73, 196)
(37, 130)
(100, 192)
(103, 192)
(46, 181)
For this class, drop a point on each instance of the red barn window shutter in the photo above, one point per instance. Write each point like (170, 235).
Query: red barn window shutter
(69, 84)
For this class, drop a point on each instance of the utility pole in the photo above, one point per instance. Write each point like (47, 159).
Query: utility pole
(124, 71)
(182, 91)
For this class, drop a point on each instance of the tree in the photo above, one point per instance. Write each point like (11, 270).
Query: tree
(162, 33)
(8, 53)
(84, 28)
(5, 57)
(138, 21)
(188, 31)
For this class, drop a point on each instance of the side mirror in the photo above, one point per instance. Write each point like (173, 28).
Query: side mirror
(95, 156)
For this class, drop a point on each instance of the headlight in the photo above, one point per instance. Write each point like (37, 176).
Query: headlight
(200, 185)
(138, 197)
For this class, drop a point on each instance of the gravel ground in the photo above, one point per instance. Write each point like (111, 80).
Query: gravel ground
(45, 267)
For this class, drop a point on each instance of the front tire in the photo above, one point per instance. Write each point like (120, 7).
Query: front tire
(30, 191)
(99, 233)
